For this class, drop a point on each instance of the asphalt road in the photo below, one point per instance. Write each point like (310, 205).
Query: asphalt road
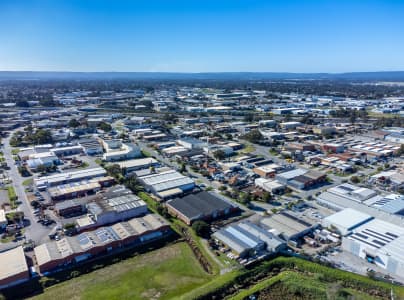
(35, 231)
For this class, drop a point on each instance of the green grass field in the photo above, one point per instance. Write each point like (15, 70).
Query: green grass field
(166, 273)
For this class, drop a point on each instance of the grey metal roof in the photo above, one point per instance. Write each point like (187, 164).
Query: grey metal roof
(195, 205)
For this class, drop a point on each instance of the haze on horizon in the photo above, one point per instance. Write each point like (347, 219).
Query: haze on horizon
(202, 36)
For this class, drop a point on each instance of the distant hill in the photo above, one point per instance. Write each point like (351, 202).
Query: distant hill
(357, 76)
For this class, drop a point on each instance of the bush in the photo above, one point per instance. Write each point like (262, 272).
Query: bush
(201, 228)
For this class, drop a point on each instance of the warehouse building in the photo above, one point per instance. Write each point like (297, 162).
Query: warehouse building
(167, 184)
(346, 220)
(111, 210)
(115, 150)
(129, 166)
(301, 178)
(79, 189)
(44, 182)
(246, 239)
(378, 242)
(271, 186)
(137, 231)
(201, 206)
(69, 207)
(13, 267)
(289, 227)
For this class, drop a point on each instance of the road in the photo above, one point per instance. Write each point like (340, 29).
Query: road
(34, 230)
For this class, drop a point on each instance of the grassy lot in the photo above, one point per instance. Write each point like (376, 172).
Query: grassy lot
(291, 285)
(15, 151)
(291, 278)
(166, 273)
(248, 149)
(12, 197)
(27, 182)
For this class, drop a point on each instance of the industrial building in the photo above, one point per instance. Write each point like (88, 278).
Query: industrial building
(44, 182)
(111, 210)
(69, 207)
(13, 267)
(346, 220)
(200, 206)
(271, 186)
(289, 227)
(129, 166)
(301, 178)
(91, 146)
(167, 183)
(79, 189)
(115, 150)
(246, 239)
(137, 231)
(378, 242)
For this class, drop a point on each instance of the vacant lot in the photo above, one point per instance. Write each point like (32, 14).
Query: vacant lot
(161, 274)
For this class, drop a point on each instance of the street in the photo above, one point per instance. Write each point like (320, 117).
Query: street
(34, 230)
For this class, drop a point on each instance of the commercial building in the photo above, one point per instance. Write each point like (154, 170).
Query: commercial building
(111, 210)
(378, 242)
(200, 206)
(167, 183)
(13, 267)
(137, 231)
(246, 238)
(346, 220)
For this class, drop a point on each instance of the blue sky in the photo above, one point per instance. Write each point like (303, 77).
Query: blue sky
(202, 36)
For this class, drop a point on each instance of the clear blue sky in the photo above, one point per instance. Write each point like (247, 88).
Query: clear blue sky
(202, 36)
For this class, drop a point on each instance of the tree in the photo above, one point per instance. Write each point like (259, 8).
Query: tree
(114, 171)
(266, 197)
(400, 151)
(201, 228)
(73, 123)
(105, 127)
(355, 179)
(219, 154)
(22, 103)
(133, 184)
(254, 136)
